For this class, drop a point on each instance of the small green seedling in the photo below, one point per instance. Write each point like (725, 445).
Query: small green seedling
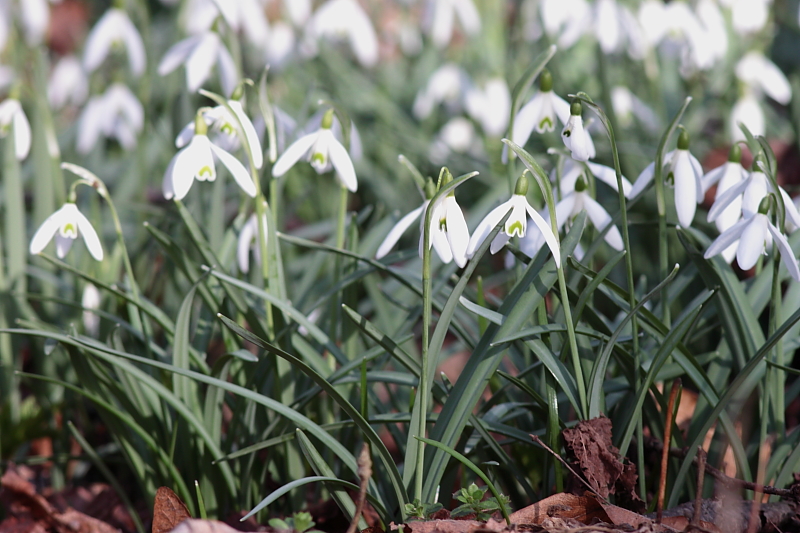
(299, 523)
(420, 511)
(472, 501)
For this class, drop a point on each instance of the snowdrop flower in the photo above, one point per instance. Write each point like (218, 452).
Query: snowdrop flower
(444, 86)
(12, 116)
(515, 225)
(112, 28)
(224, 130)
(627, 106)
(443, 14)
(116, 113)
(568, 208)
(90, 301)
(299, 10)
(198, 54)
(728, 175)
(566, 20)
(246, 16)
(759, 72)
(323, 151)
(751, 191)
(65, 225)
(448, 232)
(616, 28)
(684, 173)
(490, 106)
(575, 138)
(68, 83)
(755, 234)
(280, 44)
(345, 19)
(7, 75)
(748, 16)
(35, 17)
(573, 170)
(746, 111)
(196, 161)
(248, 240)
(540, 112)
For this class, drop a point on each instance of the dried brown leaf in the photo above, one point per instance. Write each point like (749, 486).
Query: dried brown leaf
(561, 505)
(168, 510)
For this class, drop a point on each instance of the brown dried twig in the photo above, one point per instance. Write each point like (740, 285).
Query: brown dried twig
(662, 482)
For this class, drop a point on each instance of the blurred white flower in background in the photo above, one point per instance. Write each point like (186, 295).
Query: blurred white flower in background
(457, 135)
(761, 74)
(298, 10)
(65, 225)
(114, 27)
(35, 17)
(242, 16)
(68, 83)
(748, 16)
(343, 20)
(440, 19)
(12, 116)
(280, 45)
(7, 76)
(746, 111)
(90, 301)
(116, 114)
(490, 106)
(628, 106)
(565, 20)
(446, 85)
(198, 54)
(248, 240)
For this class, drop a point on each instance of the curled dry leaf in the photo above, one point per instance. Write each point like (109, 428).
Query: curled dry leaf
(168, 510)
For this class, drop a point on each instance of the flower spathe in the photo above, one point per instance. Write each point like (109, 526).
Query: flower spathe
(323, 151)
(515, 225)
(12, 116)
(196, 161)
(113, 27)
(65, 225)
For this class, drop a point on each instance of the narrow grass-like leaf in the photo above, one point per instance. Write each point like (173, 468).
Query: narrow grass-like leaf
(492, 316)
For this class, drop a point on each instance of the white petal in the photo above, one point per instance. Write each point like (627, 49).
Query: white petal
(643, 180)
(178, 54)
(227, 70)
(249, 133)
(89, 235)
(134, 45)
(787, 254)
(575, 138)
(457, 231)
(46, 231)
(609, 176)
(343, 165)
(468, 15)
(292, 155)
(728, 237)
(756, 69)
(363, 38)
(547, 233)
(236, 168)
(22, 135)
(498, 242)
(397, 231)
(486, 226)
(200, 61)
(167, 186)
(723, 200)
(713, 176)
(792, 215)
(63, 245)
(100, 39)
(685, 189)
(442, 27)
(751, 243)
(90, 124)
(527, 119)
(600, 218)
(246, 237)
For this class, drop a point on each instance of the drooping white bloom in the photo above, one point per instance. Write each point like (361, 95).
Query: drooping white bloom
(755, 234)
(65, 225)
(196, 161)
(746, 111)
(760, 73)
(248, 240)
(323, 151)
(751, 191)
(198, 54)
(575, 169)
(114, 27)
(299, 10)
(90, 301)
(280, 44)
(490, 106)
(446, 85)
(568, 208)
(117, 113)
(458, 135)
(728, 175)
(684, 172)
(748, 16)
(540, 112)
(68, 83)
(575, 137)
(224, 130)
(627, 106)
(344, 19)
(35, 17)
(248, 17)
(12, 116)
(442, 15)
(565, 20)
(616, 28)
(515, 225)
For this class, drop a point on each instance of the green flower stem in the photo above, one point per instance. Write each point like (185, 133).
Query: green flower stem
(779, 375)
(341, 225)
(422, 390)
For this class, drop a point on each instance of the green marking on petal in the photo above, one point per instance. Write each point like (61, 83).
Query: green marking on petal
(546, 124)
(515, 229)
(443, 224)
(566, 133)
(69, 230)
(205, 172)
(227, 128)
(318, 157)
